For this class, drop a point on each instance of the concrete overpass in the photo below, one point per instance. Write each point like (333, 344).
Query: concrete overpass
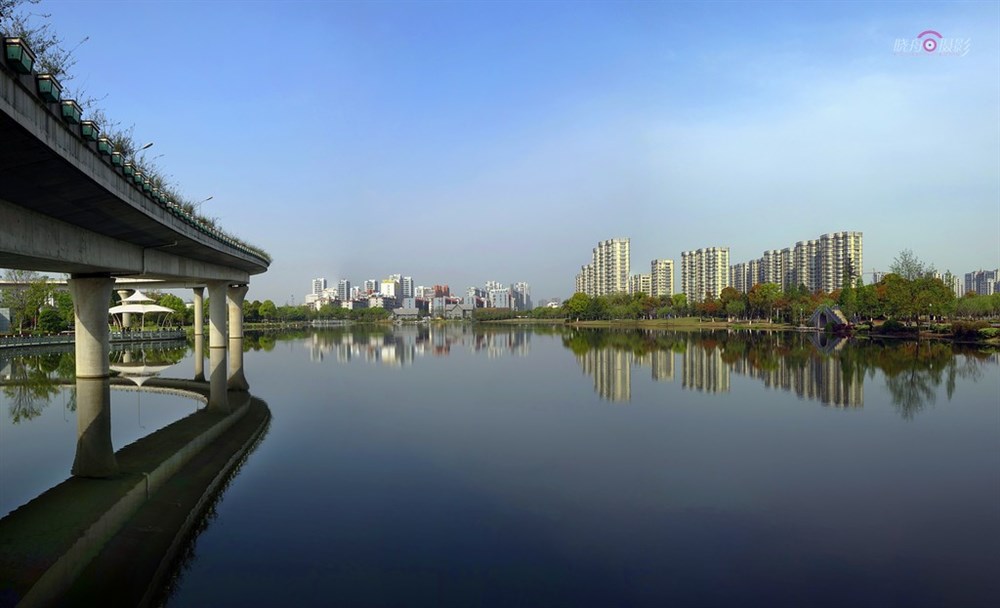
(66, 207)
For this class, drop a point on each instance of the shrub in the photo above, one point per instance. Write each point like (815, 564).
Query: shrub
(989, 332)
(967, 329)
(893, 326)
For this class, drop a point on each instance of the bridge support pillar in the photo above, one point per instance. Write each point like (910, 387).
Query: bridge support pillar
(126, 316)
(217, 313)
(237, 380)
(95, 455)
(199, 358)
(199, 311)
(91, 296)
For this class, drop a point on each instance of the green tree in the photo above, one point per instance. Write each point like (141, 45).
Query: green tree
(175, 304)
(577, 305)
(729, 294)
(679, 303)
(909, 266)
(868, 301)
(648, 306)
(932, 297)
(735, 307)
(267, 311)
(896, 296)
(50, 321)
(64, 304)
(848, 300)
(250, 309)
(762, 298)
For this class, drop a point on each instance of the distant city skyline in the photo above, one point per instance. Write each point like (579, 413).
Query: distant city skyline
(502, 139)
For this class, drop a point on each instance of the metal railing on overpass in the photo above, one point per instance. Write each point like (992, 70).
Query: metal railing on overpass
(69, 338)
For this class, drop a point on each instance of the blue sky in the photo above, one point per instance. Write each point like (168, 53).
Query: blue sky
(460, 142)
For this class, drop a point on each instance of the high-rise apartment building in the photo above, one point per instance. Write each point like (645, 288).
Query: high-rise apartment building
(661, 278)
(499, 297)
(521, 292)
(704, 273)
(983, 282)
(407, 284)
(819, 264)
(318, 285)
(609, 270)
(371, 286)
(640, 283)
(741, 277)
(390, 288)
(343, 290)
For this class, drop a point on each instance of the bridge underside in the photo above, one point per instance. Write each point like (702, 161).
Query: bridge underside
(65, 208)
(33, 241)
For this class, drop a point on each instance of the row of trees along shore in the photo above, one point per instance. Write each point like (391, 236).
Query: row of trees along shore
(905, 295)
(892, 298)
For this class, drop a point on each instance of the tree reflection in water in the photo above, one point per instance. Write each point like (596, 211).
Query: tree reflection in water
(30, 381)
(815, 366)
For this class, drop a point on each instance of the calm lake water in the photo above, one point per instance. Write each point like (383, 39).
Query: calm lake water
(450, 466)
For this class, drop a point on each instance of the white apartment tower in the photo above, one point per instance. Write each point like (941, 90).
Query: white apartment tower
(609, 269)
(640, 283)
(819, 264)
(390, 287)
(661, 278)
(318, 285)
(521, 292)
(704, 273)
(344, 290)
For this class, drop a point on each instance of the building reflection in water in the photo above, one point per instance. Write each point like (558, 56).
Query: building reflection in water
(611, 370)
(820, 378)
(402, 345)
(703, 370)
(708, 360)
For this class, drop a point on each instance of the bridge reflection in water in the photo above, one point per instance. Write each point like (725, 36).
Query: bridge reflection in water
(114, 528)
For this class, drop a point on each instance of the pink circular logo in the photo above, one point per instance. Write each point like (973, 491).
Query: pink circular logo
(929, 44)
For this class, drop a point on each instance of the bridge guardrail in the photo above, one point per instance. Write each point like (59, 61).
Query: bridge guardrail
(116, 336)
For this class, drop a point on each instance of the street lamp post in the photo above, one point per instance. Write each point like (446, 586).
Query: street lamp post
(145, 146)
(197, 206)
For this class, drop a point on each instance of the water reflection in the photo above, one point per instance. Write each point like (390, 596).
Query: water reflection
(31, 381)
(830, 370)
(91, 512)
(396, 347)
